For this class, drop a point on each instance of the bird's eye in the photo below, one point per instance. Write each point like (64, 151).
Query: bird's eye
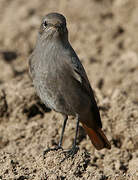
(45, 24)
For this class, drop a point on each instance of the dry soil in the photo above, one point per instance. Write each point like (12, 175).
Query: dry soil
(104, 34)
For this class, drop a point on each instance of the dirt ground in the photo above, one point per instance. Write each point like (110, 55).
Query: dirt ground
(104, 34)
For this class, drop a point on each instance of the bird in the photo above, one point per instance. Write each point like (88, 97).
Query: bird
(61, 82)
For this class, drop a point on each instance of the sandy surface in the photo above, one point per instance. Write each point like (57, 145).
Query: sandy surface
(104, 34)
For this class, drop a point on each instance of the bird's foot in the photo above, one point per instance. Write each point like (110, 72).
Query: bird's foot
(52, 149)
(71, 152)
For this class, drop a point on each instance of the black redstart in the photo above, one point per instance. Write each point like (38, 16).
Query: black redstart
(61, 81)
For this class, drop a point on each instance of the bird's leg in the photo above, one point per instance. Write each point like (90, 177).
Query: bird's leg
(63, 129)
(74, 148)
(76, 133)
(61, 137)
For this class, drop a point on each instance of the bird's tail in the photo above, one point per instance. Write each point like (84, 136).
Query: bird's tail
(97, 137)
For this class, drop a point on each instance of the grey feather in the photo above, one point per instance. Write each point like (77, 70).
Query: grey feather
(58, 75)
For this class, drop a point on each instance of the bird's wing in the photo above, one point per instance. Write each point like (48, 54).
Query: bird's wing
(80, 75)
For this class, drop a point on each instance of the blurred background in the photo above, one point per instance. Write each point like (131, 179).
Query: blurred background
(104, 33)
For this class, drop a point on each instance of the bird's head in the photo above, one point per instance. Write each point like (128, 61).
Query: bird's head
(53, 26)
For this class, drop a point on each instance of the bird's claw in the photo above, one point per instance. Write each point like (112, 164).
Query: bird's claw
(52, 149)
(71, 152)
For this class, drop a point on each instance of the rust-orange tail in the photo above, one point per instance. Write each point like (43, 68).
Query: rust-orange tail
(97, 137)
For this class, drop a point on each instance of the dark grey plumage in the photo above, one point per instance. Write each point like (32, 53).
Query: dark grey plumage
(58, 75)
